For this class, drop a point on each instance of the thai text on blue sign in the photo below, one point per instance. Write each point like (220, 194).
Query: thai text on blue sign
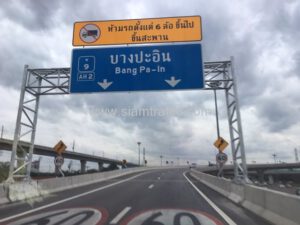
(143, 68)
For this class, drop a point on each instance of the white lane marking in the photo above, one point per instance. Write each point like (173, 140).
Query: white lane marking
(70, 198)
(211, 203)
(158, 178)
(151, 186)
(120, 215)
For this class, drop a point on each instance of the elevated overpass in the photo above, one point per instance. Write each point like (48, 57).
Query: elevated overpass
(259, 170)
(255, 167)
(6, 144)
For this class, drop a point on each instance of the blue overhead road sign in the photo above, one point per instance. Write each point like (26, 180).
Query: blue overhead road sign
(142, 68)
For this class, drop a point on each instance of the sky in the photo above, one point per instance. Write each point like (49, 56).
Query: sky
(262, 36)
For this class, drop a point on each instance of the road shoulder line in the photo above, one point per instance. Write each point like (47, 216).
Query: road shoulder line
(211, 203)
(70, 198)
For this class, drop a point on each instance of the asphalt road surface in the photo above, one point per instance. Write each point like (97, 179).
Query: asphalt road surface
(157, 197)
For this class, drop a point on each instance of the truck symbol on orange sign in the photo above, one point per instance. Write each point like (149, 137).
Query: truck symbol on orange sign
(90, 33)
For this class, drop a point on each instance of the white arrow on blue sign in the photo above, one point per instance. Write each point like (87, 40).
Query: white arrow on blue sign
(142, 68)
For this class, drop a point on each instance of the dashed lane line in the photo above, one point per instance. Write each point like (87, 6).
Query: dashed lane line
(70, 198)
(120, 215)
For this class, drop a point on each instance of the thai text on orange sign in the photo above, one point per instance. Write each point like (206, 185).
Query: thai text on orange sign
(137, 31)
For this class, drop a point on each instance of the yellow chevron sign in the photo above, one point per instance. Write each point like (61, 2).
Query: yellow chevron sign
(60, 147)
(221, 144)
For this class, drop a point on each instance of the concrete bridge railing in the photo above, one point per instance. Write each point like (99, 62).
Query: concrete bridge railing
(20, 191)
(277, 207)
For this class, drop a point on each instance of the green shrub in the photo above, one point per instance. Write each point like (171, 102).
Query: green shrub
(4, 168)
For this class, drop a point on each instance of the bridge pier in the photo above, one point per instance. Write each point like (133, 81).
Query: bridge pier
(260, 176)
(82, 166)
(100, 166)
(56, 171)
(270, 179)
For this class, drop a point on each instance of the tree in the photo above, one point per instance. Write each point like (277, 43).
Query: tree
(4, 168)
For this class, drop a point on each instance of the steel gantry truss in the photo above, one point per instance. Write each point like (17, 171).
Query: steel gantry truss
(36, 82)
(220, 76)
(56, 81)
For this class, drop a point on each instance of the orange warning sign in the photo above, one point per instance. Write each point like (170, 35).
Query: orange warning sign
(60, 147)
(137, 31)
(221, 144)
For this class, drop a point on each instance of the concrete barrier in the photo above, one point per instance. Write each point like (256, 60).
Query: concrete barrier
(20, 191)
(63, 183)
(220, 185)
(23, 190)
(277, 207)
(237, 193)
(55, 184)
(254, 199)
(282, 207)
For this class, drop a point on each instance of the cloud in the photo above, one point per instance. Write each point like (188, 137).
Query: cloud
(32, 15)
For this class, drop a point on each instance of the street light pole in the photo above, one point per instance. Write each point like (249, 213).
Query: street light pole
(217, 113)
(296, 155)
(2, 130)
(161, 160)
(139, 145)
(144, 156)
(73, 146)
(274, 155)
